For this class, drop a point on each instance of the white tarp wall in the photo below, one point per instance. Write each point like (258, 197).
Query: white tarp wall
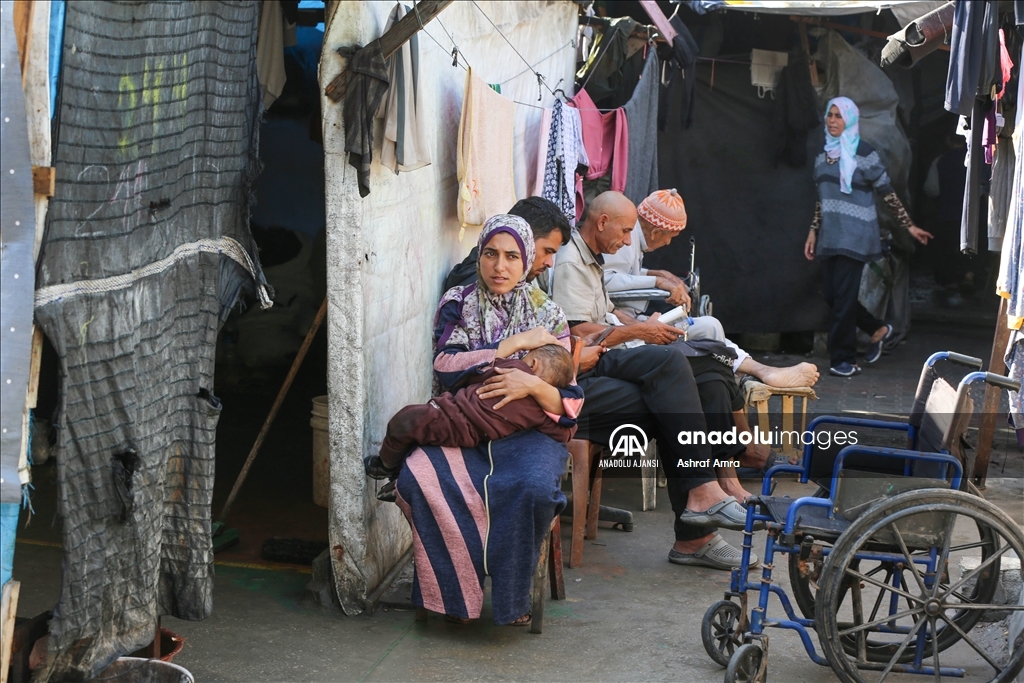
(388, 254)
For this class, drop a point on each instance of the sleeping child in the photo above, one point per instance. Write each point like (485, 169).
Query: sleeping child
(463, 419)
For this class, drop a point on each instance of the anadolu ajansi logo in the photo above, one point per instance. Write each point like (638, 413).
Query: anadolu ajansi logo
(628, 441)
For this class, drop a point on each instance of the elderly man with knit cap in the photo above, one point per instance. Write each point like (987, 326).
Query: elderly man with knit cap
(660, 217)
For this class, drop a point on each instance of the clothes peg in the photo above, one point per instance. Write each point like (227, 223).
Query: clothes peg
(455, 56)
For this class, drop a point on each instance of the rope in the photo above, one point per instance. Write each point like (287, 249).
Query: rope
(225, 246)
(540, 77)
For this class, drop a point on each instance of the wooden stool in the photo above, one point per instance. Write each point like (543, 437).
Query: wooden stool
(757, 394)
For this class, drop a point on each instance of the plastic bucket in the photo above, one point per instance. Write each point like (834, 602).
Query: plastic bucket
(321, 448)
(138, 670)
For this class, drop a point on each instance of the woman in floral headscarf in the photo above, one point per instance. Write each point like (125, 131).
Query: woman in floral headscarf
(485, 511)
(845, 234)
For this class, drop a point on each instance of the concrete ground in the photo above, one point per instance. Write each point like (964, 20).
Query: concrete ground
(629, 614)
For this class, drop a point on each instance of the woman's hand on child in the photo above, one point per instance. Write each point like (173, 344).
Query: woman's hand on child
(509, 384)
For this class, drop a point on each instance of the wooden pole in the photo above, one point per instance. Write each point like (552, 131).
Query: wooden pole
(8, 612)
(807, 53)
(296, 364)
(990, 404)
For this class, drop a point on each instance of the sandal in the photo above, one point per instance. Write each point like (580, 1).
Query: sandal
(525, 620)
(387, 493)
(717, 553)
(725, 514)
(461, 621)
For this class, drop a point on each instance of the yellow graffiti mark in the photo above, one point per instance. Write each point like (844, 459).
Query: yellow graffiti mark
(147, 96)
(126, 86)
(82, 330)
(180, 90)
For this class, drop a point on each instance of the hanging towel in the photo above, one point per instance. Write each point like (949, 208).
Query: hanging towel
(367, 85)
(486, 185)
(606, 139)
(270, 51)
(565, 154)
(536, 180)
(642, 119)
(404, 146)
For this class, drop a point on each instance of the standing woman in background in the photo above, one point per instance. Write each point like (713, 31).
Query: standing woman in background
(845, 235)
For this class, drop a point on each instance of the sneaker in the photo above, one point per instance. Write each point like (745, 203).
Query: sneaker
(874, 351)
(844, 370)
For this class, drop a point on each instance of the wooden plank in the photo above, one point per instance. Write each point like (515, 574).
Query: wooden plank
(806, 46)
(788, 447)
(990, 404)
(8, 612)
(659, 19)
(44, 180)
(22, 20)
(393, 38)
(35, 361)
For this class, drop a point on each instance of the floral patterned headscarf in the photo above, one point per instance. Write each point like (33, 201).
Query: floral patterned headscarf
(488, 318)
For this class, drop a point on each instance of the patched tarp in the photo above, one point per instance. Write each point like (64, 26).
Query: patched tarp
(146, 247)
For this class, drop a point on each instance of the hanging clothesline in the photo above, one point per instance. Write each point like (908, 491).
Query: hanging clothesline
(459, 57)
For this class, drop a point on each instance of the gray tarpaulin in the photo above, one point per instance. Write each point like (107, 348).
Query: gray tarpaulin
(749, 217)
(147, 244)
(17, 233)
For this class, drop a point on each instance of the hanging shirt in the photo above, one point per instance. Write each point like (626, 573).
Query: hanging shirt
(404, 145)
(642, 119)
(565, 153)
(606, 139)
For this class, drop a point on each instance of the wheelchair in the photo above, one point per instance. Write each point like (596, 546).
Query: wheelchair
(889, 570)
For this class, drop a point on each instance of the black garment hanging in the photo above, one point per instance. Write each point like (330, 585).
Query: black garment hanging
(796, 113)
(680, 76)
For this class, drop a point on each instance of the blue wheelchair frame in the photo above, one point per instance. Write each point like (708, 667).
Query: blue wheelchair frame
(783, 540)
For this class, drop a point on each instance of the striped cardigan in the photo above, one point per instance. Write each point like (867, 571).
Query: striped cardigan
(849, 222)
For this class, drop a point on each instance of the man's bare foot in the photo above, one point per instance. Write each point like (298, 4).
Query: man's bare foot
(733, 488)
(799, 375)
(705, 496)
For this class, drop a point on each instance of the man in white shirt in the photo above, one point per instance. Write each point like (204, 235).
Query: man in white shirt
(660, 217)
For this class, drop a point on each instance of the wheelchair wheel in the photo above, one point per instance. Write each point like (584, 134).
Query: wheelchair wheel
(804, 588)
(720, 631)
(921, 612)
(745, 665)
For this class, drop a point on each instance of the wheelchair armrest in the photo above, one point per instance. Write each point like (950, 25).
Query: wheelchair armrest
(897, 454)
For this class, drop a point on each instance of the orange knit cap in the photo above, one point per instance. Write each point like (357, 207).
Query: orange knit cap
(664, 209)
